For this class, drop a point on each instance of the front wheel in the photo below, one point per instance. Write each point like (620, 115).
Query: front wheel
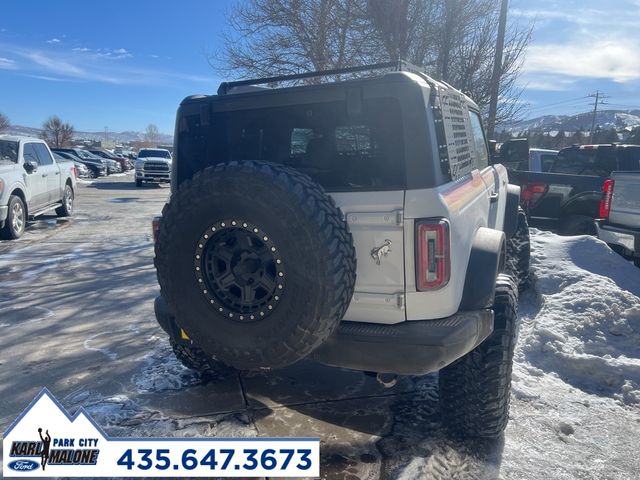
(475, 389)
(196, 359)
(518, 258)
(16, 219)
(66, 209)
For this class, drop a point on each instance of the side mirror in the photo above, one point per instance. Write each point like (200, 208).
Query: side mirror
(30, 166)
(515, 150)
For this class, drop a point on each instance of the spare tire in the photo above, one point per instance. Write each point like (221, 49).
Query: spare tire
(256, 262)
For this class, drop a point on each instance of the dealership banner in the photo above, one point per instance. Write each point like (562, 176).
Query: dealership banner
(45, 441)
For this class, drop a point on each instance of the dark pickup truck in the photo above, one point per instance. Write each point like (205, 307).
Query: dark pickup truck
(567, 198)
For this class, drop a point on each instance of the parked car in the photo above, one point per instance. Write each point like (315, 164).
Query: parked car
(619, 222)
(81, 170)
(342, 222)
(96, 168)
(32, 182)
(153, 166)
(539, 160)
(123, 162)
(567, 198)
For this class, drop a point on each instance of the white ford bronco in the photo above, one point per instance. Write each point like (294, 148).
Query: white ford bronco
(359, 223)
(32, 182)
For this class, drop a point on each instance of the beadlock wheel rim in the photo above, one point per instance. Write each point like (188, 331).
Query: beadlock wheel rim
(239, 270)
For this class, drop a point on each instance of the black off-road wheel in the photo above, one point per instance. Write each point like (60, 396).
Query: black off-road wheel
(16, 219)
(257, 262)
(475, 389)
(66, 209)
(518, 257)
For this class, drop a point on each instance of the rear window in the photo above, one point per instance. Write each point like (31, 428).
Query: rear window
(597, 161)
(340, 151)
(8, 151)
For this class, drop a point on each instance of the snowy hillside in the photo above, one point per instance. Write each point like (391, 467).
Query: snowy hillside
(119, 137)
(606, 119)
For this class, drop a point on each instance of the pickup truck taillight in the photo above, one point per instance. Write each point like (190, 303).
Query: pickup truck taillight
(607, 196)
(531, 193)
(433, 267)
(155, 225)
(74, 170)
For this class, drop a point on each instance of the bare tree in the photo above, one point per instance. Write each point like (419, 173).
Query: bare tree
(56, 133)
(453, 40)
(4, 122)
(151, 134)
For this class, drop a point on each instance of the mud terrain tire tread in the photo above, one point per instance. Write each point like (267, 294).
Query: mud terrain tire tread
(299, 336)
(518, 258)
(475, 389)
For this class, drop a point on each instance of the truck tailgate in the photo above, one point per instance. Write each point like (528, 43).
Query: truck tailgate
(625, 205)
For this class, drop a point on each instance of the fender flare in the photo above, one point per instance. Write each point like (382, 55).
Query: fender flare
(486, 261)
(511, 210)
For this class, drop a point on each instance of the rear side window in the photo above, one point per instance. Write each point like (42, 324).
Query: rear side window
(8, 151)
(629, 158)
(340, 151)
(480, 142)
(547, 161)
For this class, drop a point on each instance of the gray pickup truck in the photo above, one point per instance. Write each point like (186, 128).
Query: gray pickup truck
(619, 224)
(32, 182)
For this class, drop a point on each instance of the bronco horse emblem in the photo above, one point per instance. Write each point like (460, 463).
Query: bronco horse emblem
(381, 251)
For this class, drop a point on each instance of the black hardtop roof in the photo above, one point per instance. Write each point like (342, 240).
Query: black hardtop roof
(393, 71)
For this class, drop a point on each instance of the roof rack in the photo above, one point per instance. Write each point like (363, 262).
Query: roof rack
(398, 65)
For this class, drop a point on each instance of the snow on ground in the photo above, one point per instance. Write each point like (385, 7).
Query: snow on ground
(588, 328)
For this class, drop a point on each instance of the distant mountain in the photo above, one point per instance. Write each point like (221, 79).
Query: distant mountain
(118, 137)
(606, 119)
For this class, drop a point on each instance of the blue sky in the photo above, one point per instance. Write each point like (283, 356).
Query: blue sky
(124, 64)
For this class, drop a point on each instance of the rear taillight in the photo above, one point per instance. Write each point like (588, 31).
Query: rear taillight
(155, 225)
(433, 267)
(74, 170)
(607, 196)
(531, 193)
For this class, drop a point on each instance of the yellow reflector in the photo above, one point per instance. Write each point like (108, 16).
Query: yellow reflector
(184, 335)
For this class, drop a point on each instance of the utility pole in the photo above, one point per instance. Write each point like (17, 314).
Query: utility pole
(598, 95)
(497, 70)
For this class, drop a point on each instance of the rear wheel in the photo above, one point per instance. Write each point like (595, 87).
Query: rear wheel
(16, 219)
(66, 209)
(196, 359)
(475, 389)
(518, 258)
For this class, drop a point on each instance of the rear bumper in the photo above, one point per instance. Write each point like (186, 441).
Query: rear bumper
(626, 238)
(409, 348)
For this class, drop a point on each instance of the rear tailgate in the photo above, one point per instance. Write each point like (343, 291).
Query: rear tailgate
(625, 204)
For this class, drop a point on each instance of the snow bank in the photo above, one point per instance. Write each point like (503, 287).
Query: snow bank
(587, 329)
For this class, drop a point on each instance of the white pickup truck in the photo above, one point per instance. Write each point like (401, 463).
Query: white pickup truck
(619, 224)
(32, 182)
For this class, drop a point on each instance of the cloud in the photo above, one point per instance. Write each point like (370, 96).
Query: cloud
(85, 64)
(54, 40)
(617, 61)
(7, 64)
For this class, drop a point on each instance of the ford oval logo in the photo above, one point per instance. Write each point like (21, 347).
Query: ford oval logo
(23, 465)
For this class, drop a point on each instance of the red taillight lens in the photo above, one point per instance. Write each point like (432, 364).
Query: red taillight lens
(531, 192)
(607, 196)
(155, 225)
(433, 268)
(74, 170)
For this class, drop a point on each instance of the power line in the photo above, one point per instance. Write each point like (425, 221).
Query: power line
(542, 107)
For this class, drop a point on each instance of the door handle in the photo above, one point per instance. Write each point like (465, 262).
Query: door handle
(57, 173)
(44, 175)
(493, 197)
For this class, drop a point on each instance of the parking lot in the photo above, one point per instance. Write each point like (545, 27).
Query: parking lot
(76, 303)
